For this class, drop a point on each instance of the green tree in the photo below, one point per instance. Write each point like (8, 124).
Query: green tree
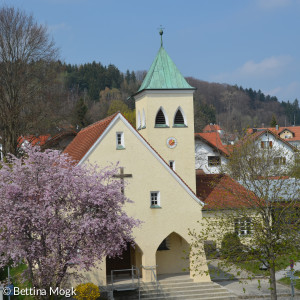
(273, 122)
(264, 212)
(80, 113)
(120, 106)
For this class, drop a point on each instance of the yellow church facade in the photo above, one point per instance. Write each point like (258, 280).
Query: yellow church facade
(158, 162)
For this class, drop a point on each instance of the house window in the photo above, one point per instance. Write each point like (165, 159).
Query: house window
(120, 140)
(242, 226)
(155, 199)
(161, 120)
(214, 161)
(266, 144)
(172, 164)
(279, 160)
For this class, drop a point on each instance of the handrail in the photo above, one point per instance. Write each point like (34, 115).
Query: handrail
(133, 268)
(152, 268)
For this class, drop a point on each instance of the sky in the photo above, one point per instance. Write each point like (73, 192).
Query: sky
(250, 43)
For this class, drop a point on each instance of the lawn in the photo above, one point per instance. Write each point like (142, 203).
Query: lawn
(253, 266)
(287, 281)
(16, 279)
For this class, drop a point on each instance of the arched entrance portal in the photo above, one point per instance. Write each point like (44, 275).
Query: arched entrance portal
(172, 255)
(131, 256)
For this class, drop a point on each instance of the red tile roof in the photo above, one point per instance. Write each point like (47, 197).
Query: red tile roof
(86, 138)
(212, 128)
(213, 139)
(66, 134)
(294, 129)
(219, 191)
(34, 140)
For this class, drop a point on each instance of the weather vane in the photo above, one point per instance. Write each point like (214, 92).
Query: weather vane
(161, 32)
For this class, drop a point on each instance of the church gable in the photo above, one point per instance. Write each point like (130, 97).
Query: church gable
(109, 129)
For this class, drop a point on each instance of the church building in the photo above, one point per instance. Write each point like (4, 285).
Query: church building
(157, 161)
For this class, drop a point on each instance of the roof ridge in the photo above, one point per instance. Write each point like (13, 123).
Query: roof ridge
(98, 122)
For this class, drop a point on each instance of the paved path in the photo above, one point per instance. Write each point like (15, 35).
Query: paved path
(252, 291)
(240, 285)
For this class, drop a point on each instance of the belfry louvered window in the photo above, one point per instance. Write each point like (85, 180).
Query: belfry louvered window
(179, 118)
(160, 118)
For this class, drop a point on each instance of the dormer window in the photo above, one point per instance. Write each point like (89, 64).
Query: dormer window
(161, 119)
(179, 119)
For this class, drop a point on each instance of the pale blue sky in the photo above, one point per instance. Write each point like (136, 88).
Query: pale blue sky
(253, 43)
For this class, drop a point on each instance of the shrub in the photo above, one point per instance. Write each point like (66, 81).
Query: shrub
(231, 246)
(87, 291)
(210, 248)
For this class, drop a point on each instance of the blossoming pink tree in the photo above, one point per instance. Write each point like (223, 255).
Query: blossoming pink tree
(58, 217)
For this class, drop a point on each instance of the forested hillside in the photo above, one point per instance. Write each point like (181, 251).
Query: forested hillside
(235, 108)
(87, 93)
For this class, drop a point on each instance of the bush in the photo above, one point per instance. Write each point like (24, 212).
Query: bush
(210, 248)
(231, 246)
(87, 291)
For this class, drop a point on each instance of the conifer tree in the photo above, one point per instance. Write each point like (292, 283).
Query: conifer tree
(273, 122)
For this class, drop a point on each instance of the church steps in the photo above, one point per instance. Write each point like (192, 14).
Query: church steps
(184, 289)
(199, 291)
(181, 290)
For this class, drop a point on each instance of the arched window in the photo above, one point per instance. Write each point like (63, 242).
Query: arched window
(139, 121)
(161, 120)
(144, 120)
(179, 119)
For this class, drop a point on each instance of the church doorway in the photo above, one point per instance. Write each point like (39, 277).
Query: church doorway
(131, 256)
(172, 255)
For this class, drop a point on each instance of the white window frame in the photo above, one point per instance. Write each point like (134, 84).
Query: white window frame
(154, 200)
(242, 226)
(172, 164)
(120, 141)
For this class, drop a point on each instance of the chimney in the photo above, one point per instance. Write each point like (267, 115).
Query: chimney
(277, 127)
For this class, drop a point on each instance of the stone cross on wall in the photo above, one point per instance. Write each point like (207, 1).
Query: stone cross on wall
(122, 176)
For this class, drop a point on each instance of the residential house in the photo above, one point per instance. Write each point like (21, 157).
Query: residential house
(211, 154)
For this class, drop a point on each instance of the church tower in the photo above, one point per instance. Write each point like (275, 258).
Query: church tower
(165, 115)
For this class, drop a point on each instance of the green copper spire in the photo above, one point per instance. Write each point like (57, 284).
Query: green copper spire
(163, 73)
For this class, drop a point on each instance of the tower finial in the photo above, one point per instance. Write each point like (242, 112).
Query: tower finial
(161, 32)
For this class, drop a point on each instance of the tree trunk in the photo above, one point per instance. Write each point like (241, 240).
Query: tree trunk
(273, 283)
